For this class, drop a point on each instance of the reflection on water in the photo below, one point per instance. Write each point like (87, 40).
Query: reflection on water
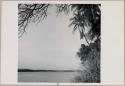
(46, 76)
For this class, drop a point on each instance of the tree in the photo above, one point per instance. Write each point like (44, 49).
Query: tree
(84, 15)
(90, 59)
(30, 13)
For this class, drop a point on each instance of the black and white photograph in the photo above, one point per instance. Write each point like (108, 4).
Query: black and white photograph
(59, 43)
(63, 42)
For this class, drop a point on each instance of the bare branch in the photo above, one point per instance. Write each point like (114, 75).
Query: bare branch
(30, 13)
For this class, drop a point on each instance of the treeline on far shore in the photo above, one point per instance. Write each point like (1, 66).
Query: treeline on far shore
(32, 70)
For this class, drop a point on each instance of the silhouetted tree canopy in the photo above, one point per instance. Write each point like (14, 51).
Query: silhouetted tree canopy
(84, 16)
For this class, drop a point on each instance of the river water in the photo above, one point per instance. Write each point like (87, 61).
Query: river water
(46, 76)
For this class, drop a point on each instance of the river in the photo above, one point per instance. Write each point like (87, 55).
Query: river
(46, 76)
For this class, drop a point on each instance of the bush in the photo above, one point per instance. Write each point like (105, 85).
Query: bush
(90, 60)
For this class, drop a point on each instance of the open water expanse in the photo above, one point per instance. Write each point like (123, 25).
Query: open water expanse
(46, 76)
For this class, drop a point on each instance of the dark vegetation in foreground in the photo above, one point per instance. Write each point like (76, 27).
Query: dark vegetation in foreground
(90, 59)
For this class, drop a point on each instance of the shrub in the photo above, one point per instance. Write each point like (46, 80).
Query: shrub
(90, 60)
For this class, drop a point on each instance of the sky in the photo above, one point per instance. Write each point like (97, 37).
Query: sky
(49, 44)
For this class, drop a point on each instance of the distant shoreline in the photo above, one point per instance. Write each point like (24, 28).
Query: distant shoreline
(31, 70)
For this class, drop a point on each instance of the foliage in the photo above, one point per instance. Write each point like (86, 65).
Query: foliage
(90, 59)
(84, 15)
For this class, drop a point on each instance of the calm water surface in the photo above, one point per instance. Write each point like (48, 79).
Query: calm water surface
(46, 76)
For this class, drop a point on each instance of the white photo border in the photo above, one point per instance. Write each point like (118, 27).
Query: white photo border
(9, 43)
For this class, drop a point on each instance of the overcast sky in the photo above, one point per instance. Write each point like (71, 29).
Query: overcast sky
(50, 44)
